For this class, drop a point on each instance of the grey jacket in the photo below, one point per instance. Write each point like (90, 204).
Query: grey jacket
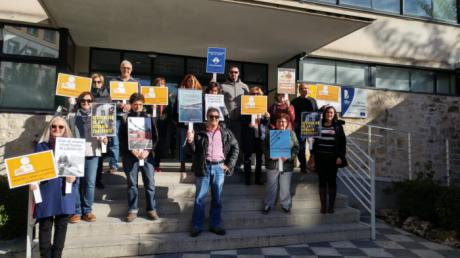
(232, 97)
(288, 165)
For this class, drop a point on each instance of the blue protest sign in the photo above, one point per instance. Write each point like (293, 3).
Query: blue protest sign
(216, 60)
(280, 144)
(190, 106)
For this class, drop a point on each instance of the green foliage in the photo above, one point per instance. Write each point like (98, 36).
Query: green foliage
(13, 215)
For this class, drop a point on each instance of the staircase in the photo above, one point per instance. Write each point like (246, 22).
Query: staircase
(111, 236)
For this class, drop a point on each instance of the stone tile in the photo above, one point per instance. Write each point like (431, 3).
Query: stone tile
(376, 252)
(320, 244)
(435, 246)
(223, 256)
(387, 231)
(343, 244)
(350, 252)
(173, 255)
(413, 245)
(389, 244)
(304, 256)
(304, 245)
(401, 231)
(325, 251)
(449, 253)
(249, 251)
(299, 251)
(250, 256)
(224, 252)
(417, 238)
(274, 251)
(367, 244)
(426, 253)
(196, 256)
(401, 253)
(381, 237)
(399, 238)
(277, 256)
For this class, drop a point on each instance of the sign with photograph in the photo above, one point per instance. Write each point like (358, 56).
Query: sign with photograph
(280, 144)
(354, 102)
(140, 133)
(253, 105)
(103, 119)
(69, 85)
(326, 95)
(69, 154)
(32, 168)
(190, 106)
(122, 90)
(155, 95)
(286, 80)
(310, 124)
(215, 62)
(215, 101)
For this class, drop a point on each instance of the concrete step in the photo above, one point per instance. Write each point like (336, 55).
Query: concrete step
(185, 205)
(117, 245)
(231, 220)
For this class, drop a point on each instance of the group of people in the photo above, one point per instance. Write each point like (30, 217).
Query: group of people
(217, 147)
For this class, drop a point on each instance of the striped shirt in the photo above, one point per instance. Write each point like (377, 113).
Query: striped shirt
(326, 142)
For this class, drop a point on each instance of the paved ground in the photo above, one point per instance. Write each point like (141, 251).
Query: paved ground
(390, 242)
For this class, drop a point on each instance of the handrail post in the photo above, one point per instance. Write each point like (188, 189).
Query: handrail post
(30, 226)
(447, 163)
(409, 155)
(373, 230)
(369, 140)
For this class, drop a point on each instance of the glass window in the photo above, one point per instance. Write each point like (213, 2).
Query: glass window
(50, 35)
(196, 66)
(27, 85)
(327, 1)
(17, 42)
(166, 66)
(32, 31)
(444, 85)
(316, 70)
(445, 10)
(422, 81)
(392, 6)
(421, 8)
(105, 60)
(350, 74)
(142, 64)
(359, 3)
(392, 78)
(254, 73)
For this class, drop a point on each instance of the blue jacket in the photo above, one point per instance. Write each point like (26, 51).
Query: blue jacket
(55, 201)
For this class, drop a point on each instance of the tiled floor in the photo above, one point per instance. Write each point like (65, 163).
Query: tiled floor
(390, 242)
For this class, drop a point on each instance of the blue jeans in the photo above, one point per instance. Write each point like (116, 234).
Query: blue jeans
(114, 150)
(214, 176)
(84, 187)
(131, 168)
(182, 133)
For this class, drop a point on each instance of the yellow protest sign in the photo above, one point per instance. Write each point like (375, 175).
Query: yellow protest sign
(313, 89)
(122, 90)
(27, 169)
(328, 93)
(71, 86)
(253, 105)
(155, 95)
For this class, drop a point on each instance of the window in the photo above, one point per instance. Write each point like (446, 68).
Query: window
(255, 74)
(444, 84)
(360, 3)
(421, 8)
(27, 85)
(105, 60)
(392, 6)
(32, 31)
(50, 35)
(16, 43)
(166, 65)
(317, 70)
(142, 64)
(422, 81)
(352, 74)
(445, 10)
(392, 78)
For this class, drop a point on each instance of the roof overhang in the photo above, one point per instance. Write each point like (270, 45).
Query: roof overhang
(250, 31)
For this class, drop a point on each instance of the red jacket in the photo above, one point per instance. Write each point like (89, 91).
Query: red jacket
(278, 108)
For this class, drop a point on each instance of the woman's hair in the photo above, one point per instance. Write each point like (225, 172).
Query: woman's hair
(196, 84)
(136, 97)
(98, 75)
(256, 90)
(80, 99)
(157, 81)
(283, 115)
(46, 133)
(213, 85)
(334, 119)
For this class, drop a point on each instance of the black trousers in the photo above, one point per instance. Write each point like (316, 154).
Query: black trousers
(45, 227)
(247, 163)
(327, 171)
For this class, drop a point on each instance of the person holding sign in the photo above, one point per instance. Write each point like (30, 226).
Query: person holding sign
(279, 165)
(327, 155)
(162, 124)
(56, 205)
(281, 105)
(215, 151)
(253, 137)
(139, 159)
(80, 124)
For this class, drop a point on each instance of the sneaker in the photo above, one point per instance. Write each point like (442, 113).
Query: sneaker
(89, 217)
(75, 218)
(131, 217)
(113, 170)
(153, 215)
(195, 232)
(218, 231)
(286, 210)
(266, 210)
(158, 169)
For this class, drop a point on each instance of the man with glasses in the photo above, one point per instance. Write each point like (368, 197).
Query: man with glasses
(232, 89)
(215, 151)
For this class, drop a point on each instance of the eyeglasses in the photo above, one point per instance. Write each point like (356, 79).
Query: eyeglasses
(233, 72)
(57, 126)
(86, 100)
(213, 117)
(97, 82)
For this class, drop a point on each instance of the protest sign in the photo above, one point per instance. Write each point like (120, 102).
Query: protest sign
(69, 154)
(286, 81)
(310, 124)
(280, 144)
(190, 106)
(139, 133)
(32, 168)
(215, 101)
(155, 95)
(253, 105)
(122, 90)
(103, 119)
(215, 62)
(328, 95)
(354, 102)
(68, 85)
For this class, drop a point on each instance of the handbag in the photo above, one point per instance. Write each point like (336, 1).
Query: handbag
(344, 162)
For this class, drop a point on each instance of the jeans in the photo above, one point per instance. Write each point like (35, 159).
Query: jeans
(282, 180)
(86, 185)
(131, 168)
(214, 176)
(45, 227)
(114, 146)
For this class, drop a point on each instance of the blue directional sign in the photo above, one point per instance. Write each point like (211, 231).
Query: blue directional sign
(216, 60)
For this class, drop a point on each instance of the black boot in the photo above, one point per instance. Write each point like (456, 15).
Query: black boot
(332, 193)
(322, 198)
